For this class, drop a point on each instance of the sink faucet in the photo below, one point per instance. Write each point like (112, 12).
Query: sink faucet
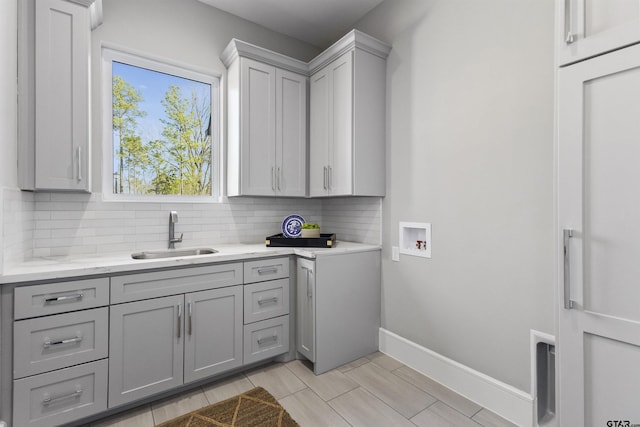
(173, 218)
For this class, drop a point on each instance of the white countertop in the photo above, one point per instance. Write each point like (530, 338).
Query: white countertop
(49, 268)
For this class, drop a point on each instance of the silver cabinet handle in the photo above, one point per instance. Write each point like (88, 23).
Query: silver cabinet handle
(47, 399)
(569, 36)
(190, 318)
(273, 178)
(179, 319)
(79, 163)
(329, 177)
(64, 298)
(324, 178)
(48, 343)
(567, 234)
(267, 339)
(268, 270)
(278, 178)
(309, 287)
(266, 300)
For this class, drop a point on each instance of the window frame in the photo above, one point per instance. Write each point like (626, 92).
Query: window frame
(110, 55)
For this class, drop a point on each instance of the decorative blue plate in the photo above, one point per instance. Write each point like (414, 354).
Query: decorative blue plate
(292, 225)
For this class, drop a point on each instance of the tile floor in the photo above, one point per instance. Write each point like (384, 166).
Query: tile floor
(373, 391)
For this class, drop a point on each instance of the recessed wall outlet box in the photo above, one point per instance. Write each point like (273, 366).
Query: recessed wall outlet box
(415, 239)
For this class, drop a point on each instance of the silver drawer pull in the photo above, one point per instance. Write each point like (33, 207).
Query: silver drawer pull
(48, 343)
(269, 270)
(266, 300)
(47, 399)
(73, 297)
(267, 339)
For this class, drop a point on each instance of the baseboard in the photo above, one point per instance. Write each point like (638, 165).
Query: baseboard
(507, 401)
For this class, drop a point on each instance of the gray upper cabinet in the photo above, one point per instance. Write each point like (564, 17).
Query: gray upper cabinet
(347, 118)
(267, 123)
(590, 28)
(54, 106)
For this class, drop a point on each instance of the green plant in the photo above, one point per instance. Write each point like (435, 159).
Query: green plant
(308, 226)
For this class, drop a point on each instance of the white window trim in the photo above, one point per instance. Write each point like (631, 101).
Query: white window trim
(108, 56)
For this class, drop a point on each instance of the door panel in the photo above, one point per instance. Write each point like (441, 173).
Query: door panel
(145, 348)
(341, 147)
(291, 134)
(598, 172)
(258, 128)
(597, 26)
(213, 332)
(320, 126)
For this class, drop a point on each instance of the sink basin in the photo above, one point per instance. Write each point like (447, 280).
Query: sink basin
(172, 253)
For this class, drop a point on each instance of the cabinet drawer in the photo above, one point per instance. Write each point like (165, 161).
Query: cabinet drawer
(265, 300)
(54, 298)
(135, 287)
(47, 343)
(61, 396)
(266, 339)
(266, 269)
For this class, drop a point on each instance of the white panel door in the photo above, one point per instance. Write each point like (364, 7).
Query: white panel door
(213, 332)
(591, 27)
(291, 134)
(320, 129)
(258, 133)
(599, 230)
(341, 146)
(145, 348)
(62, 96)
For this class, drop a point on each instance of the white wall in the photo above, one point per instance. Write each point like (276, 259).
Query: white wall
(470, 138)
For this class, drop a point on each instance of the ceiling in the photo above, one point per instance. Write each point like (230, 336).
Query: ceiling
(318, 22)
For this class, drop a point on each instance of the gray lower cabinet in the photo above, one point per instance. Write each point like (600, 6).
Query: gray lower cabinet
(338, 308)
(305, 330)
(213, 332)
(145, 348)
(61, 396)
(161, 343)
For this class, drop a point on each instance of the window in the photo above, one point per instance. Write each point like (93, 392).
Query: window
(162, 130)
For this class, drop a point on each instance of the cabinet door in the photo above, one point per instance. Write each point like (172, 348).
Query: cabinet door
(305, 321)
(319, 111)
(341, 118)
(145, 348)
(599, 240)
(213, 332)
(291, 134)
(258, 135)
(62, 96)
(588, 28)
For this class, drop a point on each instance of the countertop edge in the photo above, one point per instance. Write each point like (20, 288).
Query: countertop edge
(51, 269)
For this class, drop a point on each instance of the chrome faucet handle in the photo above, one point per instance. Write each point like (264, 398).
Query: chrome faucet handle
(177, 239)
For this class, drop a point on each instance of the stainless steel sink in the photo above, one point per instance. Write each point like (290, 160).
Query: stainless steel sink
(172, 253)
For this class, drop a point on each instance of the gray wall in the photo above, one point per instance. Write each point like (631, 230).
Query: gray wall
(470, 139)
(183, 31)
(8, 103)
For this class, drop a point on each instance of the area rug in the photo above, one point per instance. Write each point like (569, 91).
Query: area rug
(250, 409)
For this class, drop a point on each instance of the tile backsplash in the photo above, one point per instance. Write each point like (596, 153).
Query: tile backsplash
(62, 224)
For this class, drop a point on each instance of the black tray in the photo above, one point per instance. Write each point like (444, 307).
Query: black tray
(324, 241)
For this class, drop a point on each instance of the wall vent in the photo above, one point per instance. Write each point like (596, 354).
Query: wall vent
(543, 378)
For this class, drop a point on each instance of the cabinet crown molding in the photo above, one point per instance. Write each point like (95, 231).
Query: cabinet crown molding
(352, 40)
(95, 11)
(237, 48)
